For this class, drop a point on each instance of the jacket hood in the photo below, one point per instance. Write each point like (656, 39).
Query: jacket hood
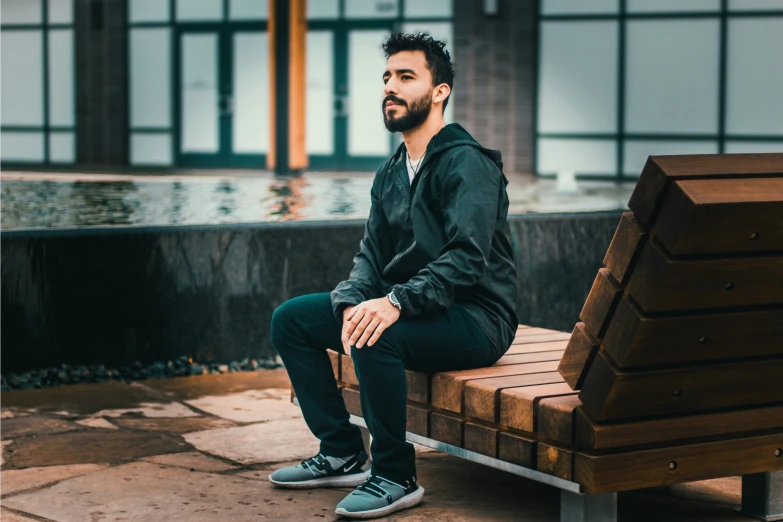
(454, 135)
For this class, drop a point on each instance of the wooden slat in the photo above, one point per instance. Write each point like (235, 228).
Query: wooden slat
(521, 358)
(634, 339)
(613, 394)
(578, 356)
(518, 406)
(532, 332)
(555, 461)
(482, 396)
(659, 171)
(651, 468)
(418, 386)
(555, 418)
(624, 247)
(558, 336)
(660, 283)
(600, 302)
(334, 358)
(446, 428)
(418, 420)
(481, 439)
(722, 216)
(547, 346)
(347, 372)
(447, 387)
(352, 402)
(517, 449)
(591, 435)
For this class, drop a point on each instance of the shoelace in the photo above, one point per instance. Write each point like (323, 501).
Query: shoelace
(373, 486)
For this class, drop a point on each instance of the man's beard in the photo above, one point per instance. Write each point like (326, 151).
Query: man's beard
(418, 112)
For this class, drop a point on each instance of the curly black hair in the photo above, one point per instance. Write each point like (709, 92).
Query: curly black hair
(438, 58)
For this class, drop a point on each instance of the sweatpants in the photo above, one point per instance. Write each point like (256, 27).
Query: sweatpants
(304, 327)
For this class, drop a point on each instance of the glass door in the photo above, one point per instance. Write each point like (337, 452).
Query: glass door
(222, 96)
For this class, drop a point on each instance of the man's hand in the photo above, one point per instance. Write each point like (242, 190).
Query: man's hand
(364, 323)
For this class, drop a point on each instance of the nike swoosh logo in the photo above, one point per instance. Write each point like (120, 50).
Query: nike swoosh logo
(349, 467)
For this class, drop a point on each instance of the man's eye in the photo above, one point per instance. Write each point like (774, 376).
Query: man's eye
(407, 77)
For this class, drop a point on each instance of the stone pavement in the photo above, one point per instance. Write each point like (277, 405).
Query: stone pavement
(201, 448)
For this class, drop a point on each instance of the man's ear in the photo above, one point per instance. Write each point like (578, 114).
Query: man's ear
(440, 93)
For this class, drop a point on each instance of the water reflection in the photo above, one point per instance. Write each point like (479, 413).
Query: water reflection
(32, 200)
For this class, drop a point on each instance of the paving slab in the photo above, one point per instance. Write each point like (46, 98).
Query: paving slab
(181, 425)
(151, 410)
(83, 399)
(34, 425)
(6, 515)
(29, 478)
(250, 406)
(6, 414)
(97, 422)
(191, 460)
(93, 446)
(278, 441)
(186, 388)
(145, 492)
(2, 451)
(726, 490)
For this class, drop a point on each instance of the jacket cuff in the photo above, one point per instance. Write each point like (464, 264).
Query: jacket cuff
(339, 304)
(402, 295)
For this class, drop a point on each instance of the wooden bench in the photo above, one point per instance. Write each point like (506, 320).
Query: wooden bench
(673, 374)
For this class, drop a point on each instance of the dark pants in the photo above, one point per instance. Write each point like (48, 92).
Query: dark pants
(304, 327)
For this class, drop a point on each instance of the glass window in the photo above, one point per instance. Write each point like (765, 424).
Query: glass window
(323, 9)
(671, 76)
(755, 5)
(672, 6)
(61, 82)
(17, 12)
(22, 77)
(22, 147)
(367, 135)
(596, 157)
(578, 77)
(61, 147)
(199, 92)
(319, 137)
(735, 147)
(428, 8)
(556, 7)
(60, 11)
(148, 11)
(249, 9)
(635, 152)
(251, 92)
(754, 86)
(199, 10)
(371, 8)
(150, 77)
(150, 149)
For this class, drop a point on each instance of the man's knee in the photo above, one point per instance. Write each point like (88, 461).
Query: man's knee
(283, 319)
(385, 346)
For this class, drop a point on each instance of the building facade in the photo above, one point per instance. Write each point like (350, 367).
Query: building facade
(586, 86)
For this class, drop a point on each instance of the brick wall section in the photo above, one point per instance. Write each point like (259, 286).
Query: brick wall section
(101, 82)
(494, 62)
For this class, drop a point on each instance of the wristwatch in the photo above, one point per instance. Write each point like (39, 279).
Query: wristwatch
(393, 300)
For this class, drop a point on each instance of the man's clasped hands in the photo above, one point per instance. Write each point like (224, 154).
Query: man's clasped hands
(365, 322)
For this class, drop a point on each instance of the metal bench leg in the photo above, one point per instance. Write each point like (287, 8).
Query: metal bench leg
(762, 495)
(587, 508)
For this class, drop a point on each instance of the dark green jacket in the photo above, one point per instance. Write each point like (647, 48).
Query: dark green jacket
(441, 239)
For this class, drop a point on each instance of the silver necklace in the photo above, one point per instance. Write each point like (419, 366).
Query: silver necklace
(418, 164)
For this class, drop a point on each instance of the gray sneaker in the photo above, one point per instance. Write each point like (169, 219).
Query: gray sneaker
(378, 497)
(323, 471)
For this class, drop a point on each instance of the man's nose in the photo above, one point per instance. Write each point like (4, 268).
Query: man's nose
(390, 87)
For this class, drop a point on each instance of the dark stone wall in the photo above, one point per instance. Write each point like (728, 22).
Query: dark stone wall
(494, 85)
(116, 295)
(101, 82)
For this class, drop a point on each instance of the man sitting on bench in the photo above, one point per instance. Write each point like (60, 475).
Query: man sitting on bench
(433, 289)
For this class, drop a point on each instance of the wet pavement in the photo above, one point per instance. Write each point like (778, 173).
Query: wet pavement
(58, 200)
(201, 448)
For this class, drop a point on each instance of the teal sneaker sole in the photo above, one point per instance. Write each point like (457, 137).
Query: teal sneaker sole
(408, 501)
(335, 481)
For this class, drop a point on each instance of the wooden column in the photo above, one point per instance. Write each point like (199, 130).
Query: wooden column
(287, 36)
